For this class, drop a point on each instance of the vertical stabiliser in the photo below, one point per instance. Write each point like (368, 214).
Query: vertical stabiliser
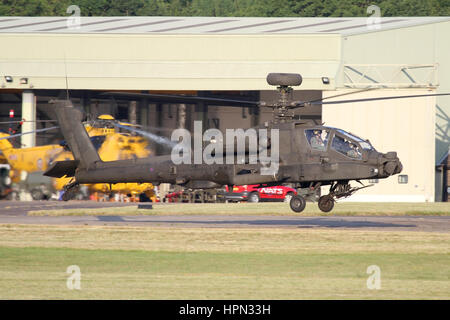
(69, 120)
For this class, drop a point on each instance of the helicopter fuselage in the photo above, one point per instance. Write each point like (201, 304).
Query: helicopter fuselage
(299, 162)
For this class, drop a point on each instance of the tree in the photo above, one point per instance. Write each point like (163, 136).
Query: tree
(224, 8)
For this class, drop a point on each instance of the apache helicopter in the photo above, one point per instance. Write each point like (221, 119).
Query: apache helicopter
(311, 155)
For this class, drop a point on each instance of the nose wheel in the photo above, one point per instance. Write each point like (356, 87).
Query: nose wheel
(326, 203)
(297, 203)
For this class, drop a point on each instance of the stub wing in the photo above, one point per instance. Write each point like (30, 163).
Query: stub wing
(60, 169)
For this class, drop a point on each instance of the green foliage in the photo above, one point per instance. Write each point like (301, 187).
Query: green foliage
(224, 8)
(33, 7)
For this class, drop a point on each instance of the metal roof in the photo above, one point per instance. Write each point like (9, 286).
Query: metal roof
(207, 25)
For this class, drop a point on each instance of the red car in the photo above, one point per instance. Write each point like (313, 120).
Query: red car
(173, 197)
(257, 193)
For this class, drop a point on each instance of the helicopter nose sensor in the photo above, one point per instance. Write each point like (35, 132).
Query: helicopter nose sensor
(392, 164)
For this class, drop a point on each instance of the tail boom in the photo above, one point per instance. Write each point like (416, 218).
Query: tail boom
(70, 122)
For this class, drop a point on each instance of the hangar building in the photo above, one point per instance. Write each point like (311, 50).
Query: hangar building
(46, 57)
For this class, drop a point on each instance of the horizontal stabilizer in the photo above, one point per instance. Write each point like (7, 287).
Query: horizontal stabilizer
(60, 169)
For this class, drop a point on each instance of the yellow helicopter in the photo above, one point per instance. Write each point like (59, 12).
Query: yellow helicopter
(26, 159)
(112, 145)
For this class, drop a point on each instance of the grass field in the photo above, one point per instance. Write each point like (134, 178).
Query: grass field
(341, 208)
(225, 263)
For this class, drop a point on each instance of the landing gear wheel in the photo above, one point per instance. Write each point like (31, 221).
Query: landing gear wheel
(70, 191)
(68, 195)
(253, 197)
(326, 203)
(297, 203)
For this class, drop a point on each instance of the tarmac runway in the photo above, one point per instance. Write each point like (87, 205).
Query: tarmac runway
(16, 212)
(21, 208)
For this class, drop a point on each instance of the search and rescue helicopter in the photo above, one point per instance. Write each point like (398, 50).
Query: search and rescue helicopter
(110, 143)
(310, 156)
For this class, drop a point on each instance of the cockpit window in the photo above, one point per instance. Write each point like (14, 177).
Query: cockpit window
(318, 138)
(364, 144)
(346, 147)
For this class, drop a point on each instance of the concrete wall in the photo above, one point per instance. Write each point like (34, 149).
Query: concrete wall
(426, 44)
(165, 62)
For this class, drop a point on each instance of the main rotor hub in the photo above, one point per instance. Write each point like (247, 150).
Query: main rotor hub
(284, 83)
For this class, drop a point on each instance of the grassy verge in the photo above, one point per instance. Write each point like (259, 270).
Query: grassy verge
(164, 263)
(340, 209)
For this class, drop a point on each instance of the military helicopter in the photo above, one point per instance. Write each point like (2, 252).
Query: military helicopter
(311, 155)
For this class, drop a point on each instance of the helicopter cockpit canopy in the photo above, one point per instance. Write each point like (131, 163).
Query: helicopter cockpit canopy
(346, 147)
(349, 145)
(342, 141)
(363, 143)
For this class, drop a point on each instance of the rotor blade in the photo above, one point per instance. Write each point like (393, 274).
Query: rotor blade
(146, 128)
(35, 131)
(167, 98)
(127, 124)
(161, 129)
(22, 121)
(381, 98)
(110, 121)
(149, 135)
(301, 103)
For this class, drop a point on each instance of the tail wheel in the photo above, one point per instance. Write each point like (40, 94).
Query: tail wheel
(297, 203)
(326, 203)
(70, 191)
(68, 195)
(253, 197)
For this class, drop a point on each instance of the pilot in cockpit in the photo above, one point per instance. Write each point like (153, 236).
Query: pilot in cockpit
(316, 140)
(353, 152)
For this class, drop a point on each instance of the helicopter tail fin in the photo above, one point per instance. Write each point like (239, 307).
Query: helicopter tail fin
(70, 122)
